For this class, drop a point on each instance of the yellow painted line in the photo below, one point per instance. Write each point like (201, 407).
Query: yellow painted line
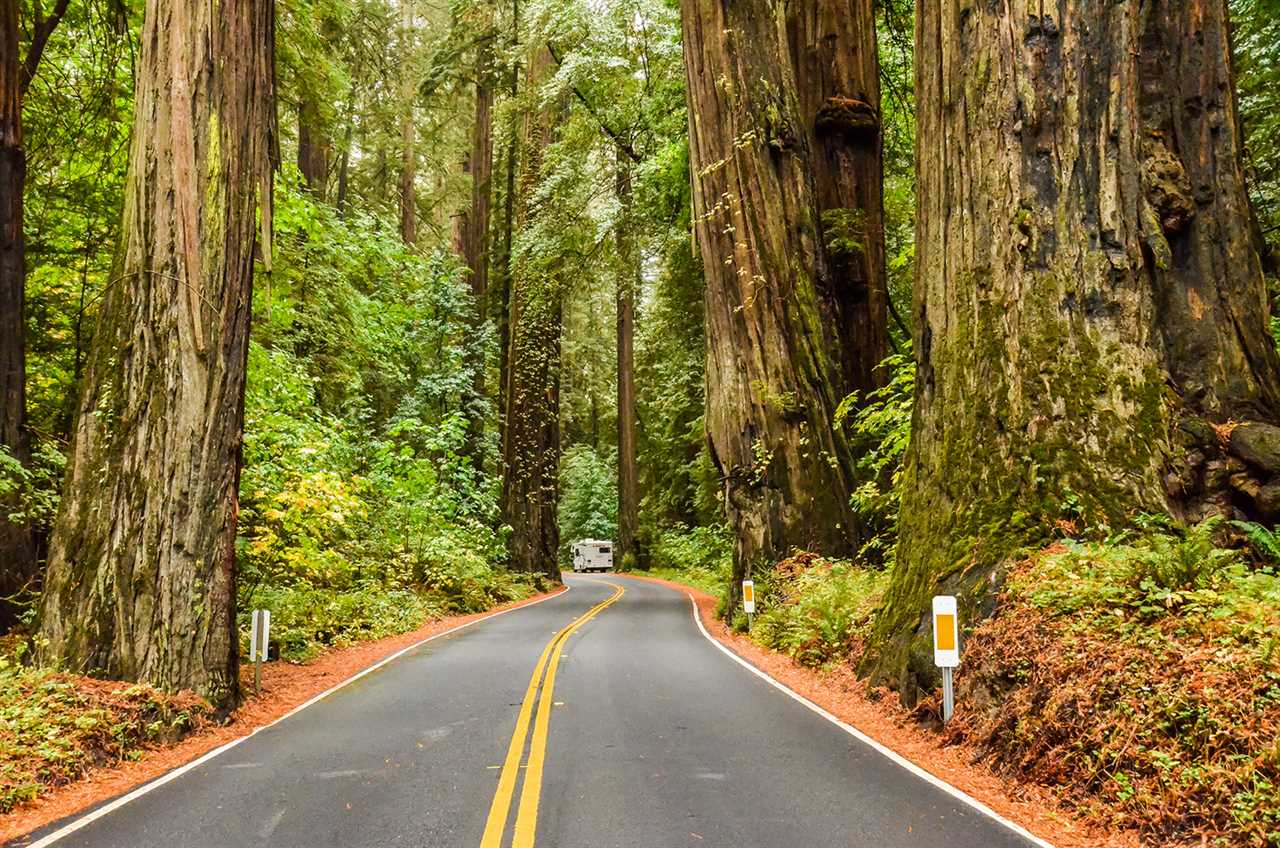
(502, 797)
(531, 792)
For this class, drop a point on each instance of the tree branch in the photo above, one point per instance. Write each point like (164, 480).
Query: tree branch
(39, 38)
(622, 144)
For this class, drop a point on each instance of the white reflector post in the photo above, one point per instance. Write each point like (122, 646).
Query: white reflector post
(946, 648)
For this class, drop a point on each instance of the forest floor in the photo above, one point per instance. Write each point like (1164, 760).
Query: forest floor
(879, 715)
(100, 739)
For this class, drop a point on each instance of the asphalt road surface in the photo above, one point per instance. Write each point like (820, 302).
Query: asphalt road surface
(601, 717)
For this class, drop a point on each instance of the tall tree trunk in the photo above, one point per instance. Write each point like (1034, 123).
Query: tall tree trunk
(629, 553)
(772, 380)
(1089, 301)
(408, 156)
(477, 229)
(314, 149)
(504, 266)
(837, 71)
(531, 447)
(17, 544)
(141, 582)
(344, 167)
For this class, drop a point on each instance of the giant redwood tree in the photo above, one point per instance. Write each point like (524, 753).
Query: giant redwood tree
(531, 435)
(774, 354)
(141, 579)
(1090, 307)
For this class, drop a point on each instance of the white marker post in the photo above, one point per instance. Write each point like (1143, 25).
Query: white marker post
(259, 638)
(749, 601)
(946, 648)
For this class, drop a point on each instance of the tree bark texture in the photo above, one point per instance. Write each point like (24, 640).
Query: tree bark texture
(773, 381)
(314, 149)
(630, 554)
(837, 71)
(531, 444)
(17, 544)
(1090, 307)
(141, 579)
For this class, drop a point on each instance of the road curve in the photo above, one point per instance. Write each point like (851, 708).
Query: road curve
(653, 738)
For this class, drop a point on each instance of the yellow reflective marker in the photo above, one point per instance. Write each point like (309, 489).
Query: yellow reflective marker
(527, 818)
(946, 632)
(748, 596)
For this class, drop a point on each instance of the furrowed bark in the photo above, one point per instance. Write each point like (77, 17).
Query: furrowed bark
(17, 543)
(630, 554)
(314, 149)
(773, 381)
(141, 579)
(837, 70)
(1090, 306)
(476, 253)
(531, 441)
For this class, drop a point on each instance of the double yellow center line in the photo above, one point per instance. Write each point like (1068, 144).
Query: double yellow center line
(527, 813)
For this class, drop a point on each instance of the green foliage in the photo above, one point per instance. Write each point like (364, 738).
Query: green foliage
(697, 556)
(36, 484)
(1141, 675)
(816, 611)
(1264, 541)
(589, 497)
(882, 422)
(56, 727)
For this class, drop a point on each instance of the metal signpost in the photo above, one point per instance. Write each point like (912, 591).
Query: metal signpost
(259, 638)
(749, 600)
(946, 648)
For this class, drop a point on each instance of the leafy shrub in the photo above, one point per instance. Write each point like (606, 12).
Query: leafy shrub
(817, 611)
(881, 422)
(1141, 674)
(699, 556)
(56, 726)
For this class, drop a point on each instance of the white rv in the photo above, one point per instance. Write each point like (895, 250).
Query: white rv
(592, 555)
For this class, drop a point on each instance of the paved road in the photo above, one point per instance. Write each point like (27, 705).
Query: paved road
(652, 738)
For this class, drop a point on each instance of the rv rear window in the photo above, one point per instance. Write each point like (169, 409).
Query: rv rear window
(604, 549)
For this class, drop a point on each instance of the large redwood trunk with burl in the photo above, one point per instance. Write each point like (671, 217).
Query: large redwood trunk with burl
(531, 437)
(837, 72)
(774, 356)
(141, 582)
(1090, 308)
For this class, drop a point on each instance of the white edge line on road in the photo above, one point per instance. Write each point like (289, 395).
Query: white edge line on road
(867, 740)
(90, 817)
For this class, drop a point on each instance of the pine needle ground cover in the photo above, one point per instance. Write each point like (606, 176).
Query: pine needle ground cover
(1143, 678)
(55, 727)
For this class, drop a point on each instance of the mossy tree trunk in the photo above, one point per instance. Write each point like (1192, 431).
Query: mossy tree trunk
(531, 440)
(773, 369)
(141, 581)
(837, 70)
(629, 552)
(1089, 302)
(315, 150)
(408, 153)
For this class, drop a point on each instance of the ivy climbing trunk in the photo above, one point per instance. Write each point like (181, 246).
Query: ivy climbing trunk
(630, 554)
(17, 544)
(141, 582)
(773, 378)
(1090, 307)
(837, 72)
(531, 441)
